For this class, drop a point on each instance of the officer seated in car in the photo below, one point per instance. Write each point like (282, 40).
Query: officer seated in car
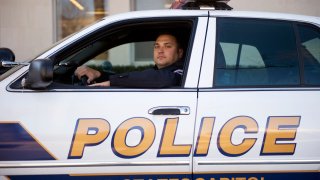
(167, 72)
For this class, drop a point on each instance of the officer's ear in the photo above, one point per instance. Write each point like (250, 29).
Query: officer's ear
(180, 53)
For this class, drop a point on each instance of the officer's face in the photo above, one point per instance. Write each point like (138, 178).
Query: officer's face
(166, 51)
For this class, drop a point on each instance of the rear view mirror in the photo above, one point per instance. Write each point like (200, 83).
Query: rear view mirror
(40, 74)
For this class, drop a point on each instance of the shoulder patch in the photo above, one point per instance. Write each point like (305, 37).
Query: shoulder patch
(178, 71)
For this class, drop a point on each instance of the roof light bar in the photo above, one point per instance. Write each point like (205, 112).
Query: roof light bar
(202, 4)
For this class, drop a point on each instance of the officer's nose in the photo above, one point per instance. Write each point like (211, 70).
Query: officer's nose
(161, 49)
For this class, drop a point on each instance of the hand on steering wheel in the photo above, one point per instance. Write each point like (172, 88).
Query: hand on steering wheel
(84, 80)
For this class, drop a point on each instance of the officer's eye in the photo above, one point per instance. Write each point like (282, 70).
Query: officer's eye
(168, 46)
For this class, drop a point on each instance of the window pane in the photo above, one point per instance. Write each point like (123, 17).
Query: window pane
(256, 53)
(73, 15)
(310, 46)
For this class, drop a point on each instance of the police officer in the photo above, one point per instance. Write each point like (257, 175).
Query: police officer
(167, 54)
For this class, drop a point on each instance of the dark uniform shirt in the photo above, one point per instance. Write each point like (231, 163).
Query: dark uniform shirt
(150, 78)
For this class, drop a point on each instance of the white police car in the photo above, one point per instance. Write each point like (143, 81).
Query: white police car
(248, 107)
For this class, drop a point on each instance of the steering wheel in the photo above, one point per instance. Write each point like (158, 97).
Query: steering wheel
(84, 81)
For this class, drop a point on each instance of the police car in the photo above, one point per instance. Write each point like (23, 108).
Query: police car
(247, 109)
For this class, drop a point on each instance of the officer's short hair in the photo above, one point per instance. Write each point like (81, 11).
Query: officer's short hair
(178, 40)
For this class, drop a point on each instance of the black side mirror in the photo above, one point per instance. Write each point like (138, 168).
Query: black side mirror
(40, 74)
(6, 55)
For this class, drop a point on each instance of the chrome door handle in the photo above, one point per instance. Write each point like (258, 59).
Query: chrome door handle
(170, 110)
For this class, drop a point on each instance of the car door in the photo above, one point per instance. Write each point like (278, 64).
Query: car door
(65, 130)
(257, 116)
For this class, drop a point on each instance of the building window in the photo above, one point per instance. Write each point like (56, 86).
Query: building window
(151, 5)
(73, 15)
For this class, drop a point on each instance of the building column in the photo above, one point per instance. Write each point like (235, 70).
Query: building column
(122, 55)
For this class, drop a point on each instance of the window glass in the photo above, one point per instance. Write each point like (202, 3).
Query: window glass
(152, 5)
(73, 15)
(256, 53)
(310, 47)
(249, 56)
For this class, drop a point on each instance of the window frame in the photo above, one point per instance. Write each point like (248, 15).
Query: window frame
(301, 58)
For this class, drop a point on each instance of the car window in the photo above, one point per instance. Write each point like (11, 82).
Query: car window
(253, 52)
(115, 61)
(249, 55)
(310, 52)
(116, 48)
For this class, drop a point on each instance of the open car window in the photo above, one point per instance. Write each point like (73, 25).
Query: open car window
(120, 48)
(116, 48)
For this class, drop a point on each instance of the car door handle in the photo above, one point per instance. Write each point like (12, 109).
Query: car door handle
(170, 110)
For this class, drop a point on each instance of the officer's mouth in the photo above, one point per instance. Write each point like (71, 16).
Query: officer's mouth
(161, 57)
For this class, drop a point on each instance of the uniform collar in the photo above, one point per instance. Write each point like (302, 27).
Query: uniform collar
(176, 65)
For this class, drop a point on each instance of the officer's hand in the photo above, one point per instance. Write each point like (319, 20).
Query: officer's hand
(86, 71)
(102, 84)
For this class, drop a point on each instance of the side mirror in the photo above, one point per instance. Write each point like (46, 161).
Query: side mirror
(40, 74)
(6, 55)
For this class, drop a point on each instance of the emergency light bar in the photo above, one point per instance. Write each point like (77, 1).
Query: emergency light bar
(205, 4)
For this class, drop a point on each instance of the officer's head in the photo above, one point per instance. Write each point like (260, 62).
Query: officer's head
(167, 50)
